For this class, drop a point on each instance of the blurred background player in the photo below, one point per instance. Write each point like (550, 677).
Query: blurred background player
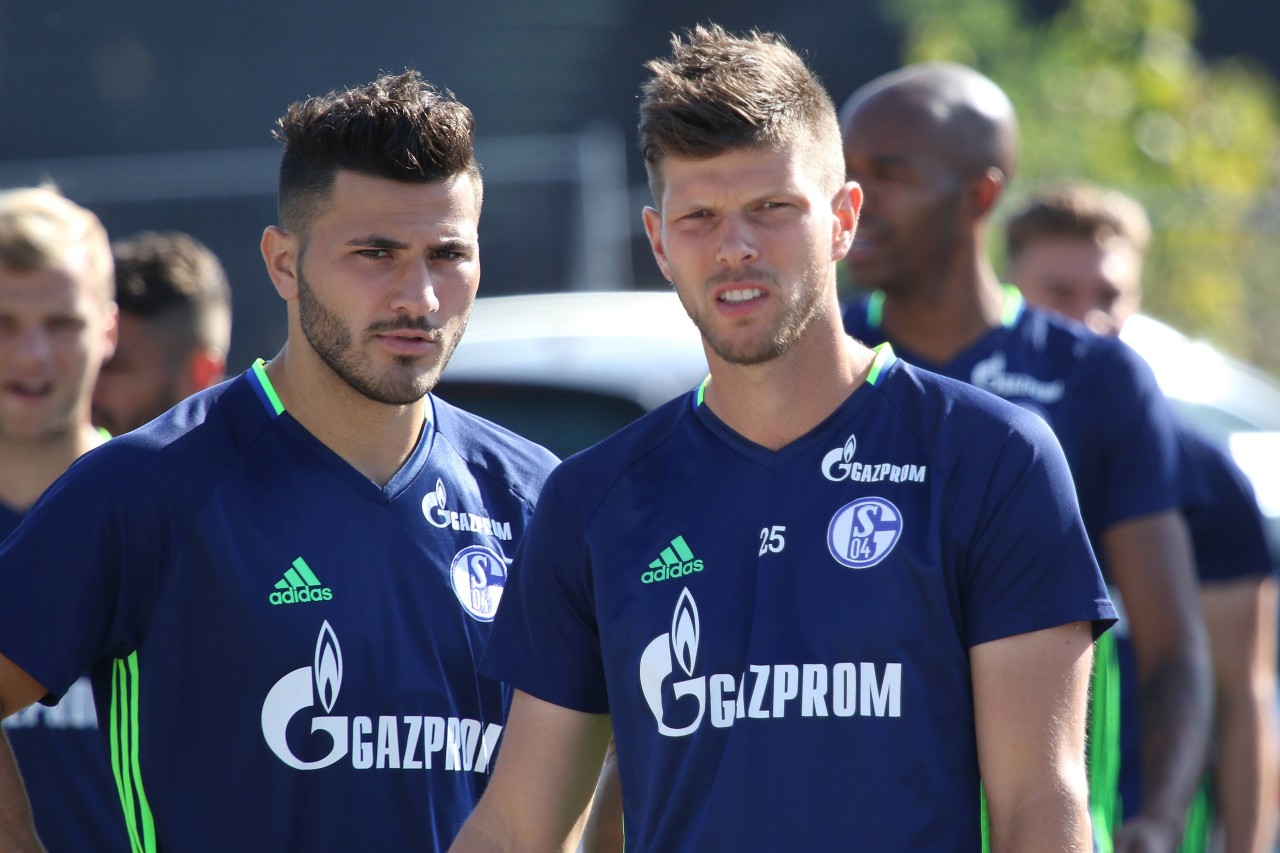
(1078, 249)
(175, 328)
(933, 147)
(57, 327)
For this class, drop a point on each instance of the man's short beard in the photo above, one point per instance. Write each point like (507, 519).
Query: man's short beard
(331, 339)
(792, 327)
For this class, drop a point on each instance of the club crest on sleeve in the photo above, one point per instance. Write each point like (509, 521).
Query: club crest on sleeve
(863, 532)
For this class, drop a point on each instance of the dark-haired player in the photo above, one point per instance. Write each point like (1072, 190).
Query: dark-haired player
(934, 146)
(284, 583)
(175, 328)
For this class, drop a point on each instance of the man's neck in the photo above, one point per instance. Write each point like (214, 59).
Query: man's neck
(27, 468)
(374, 438)
(939, 319)
(775, 403)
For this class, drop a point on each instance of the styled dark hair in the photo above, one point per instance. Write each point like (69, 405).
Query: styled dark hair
(720, 92)
(1077, 211)
(173, 278)
(398, 127)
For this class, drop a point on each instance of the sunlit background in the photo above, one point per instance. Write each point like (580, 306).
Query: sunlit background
(158, 115)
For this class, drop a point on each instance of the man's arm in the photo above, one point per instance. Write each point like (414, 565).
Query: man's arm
(1150, 561)
(604, 830)
(1030, 694)
(17, 831)
(1241, 619)
(547, 768)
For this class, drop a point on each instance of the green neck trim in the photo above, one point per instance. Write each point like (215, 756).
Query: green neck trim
(875, 309)
(702, 392)
(260, 371)
(884, 358)
(1010, 307)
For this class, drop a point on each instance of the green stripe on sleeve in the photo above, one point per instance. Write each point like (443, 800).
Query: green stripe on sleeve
(125, 762)
(1102, 751)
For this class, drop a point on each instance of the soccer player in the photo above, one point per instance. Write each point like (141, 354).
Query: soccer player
(175, 328)
(57, 326)
(933, 147)
(820, 598)
(1078, 249)
(283, 584)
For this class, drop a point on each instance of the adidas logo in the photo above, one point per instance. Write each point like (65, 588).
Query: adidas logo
(674, 562)
(299, 585)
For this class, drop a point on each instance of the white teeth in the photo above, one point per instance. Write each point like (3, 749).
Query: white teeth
(741, 295)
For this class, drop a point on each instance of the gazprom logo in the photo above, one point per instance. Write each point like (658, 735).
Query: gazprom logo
(658, 662)
(863, 532)
(304, 688)
(991, 375)
(438, 515)
(414, 741)
(760, 692)
(839, 465)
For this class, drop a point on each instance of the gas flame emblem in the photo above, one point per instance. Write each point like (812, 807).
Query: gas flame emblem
(328, 667)
(685, 629)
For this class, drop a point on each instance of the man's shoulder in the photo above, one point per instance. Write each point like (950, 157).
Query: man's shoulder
(178, 451)
(595, 469)
(936, 402)
(493, 449)
(226, 414)
(1066, 339)
(1210, 461)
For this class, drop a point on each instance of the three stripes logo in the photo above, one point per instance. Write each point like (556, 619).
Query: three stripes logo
(675, 561)
(300, 585)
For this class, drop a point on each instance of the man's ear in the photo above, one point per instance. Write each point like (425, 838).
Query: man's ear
(280, 254)
(985, 190)
(111, 330)
(653, 228)
(206, 368)
(846, 207)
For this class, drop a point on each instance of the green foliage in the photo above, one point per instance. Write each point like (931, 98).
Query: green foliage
(1114, 92)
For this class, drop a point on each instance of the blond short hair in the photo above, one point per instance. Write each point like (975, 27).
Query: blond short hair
(41, 229)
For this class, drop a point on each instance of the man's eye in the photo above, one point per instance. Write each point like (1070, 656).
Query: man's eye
(373, 253)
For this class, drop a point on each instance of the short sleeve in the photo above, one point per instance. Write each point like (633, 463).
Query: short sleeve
(545, 638)
(1029, 564)
(80, 572)
(1227, 528)
(1138, 456)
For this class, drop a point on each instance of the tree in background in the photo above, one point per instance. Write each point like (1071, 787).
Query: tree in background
(1114, 92)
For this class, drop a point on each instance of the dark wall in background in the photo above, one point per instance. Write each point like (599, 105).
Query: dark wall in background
(142, 78)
